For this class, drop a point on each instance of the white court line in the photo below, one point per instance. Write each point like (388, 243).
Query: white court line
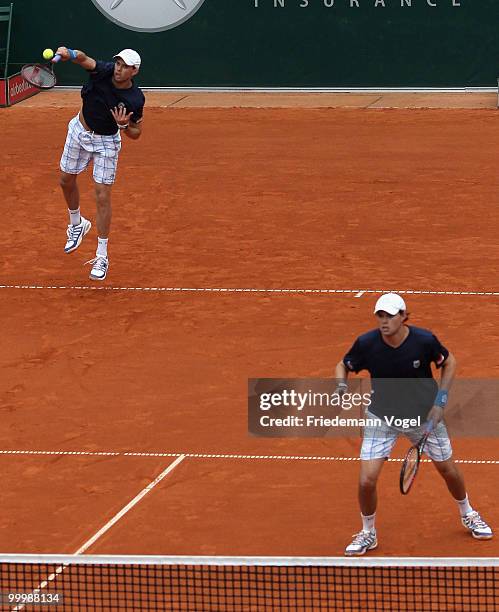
(355, 292)
(130, 505)
(221, 456)
(109, 524)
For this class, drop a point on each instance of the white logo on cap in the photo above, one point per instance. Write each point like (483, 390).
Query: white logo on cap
(150, 16)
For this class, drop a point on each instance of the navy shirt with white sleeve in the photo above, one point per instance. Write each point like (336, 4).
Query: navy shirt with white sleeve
(100, 96)
(401, 378)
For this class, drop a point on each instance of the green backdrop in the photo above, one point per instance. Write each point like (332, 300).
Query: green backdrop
(232, 43)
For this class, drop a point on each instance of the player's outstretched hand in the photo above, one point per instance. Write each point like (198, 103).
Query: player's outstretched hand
(64, 53)
(121, 117)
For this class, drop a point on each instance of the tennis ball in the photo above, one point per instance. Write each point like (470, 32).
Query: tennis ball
(48, 54)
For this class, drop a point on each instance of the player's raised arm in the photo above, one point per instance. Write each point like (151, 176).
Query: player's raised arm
(77, 56)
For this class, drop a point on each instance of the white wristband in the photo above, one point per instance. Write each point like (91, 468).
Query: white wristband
(122, 127)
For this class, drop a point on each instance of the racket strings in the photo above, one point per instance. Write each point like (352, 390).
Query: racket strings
(410, 468)
(39, 76)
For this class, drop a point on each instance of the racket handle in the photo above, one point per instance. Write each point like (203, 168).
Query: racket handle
(56, 58)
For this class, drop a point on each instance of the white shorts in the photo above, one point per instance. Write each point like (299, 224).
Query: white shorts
(379, 440)
(81, 146)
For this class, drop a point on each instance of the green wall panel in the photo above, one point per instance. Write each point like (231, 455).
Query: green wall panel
(235, 43)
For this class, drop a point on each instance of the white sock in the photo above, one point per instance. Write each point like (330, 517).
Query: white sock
(464, 506)
(74, 216)
(368, 521)
(101, 247)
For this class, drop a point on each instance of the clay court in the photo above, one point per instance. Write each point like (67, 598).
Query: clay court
(251, 237)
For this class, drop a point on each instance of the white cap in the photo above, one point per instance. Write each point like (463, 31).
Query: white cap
(130, 57)
(391, 303)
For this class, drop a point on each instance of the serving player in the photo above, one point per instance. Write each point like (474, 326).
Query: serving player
(111, 105)
(398, 351)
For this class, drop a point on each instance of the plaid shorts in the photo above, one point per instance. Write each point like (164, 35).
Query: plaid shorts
(379, 440)
(81, 146)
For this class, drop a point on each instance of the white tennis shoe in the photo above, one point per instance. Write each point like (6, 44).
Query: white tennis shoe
(478, 527)
(100, 266)
(361, 543)
(75, 234)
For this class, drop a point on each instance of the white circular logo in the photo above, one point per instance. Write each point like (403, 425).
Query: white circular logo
(148, 15)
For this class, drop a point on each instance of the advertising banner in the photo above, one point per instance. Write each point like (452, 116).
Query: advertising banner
(19, 89)
(3, 93)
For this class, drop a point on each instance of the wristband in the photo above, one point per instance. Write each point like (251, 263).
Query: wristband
(72, 54)
(441, 398)
(122, 127)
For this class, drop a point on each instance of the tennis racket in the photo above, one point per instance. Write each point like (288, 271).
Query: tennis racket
(41, 76)
(412, 460)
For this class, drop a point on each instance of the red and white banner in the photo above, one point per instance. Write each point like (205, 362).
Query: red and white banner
(3, 93)
(19, 89)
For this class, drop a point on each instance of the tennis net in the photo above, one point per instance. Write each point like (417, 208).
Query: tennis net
(105, 583)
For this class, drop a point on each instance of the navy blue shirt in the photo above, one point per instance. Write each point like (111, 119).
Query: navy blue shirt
(401, 378)
(100, 95)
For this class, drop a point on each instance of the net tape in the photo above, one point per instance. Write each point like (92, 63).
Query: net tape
(235, 583)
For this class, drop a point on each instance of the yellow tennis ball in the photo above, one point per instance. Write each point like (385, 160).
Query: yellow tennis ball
(48, 54)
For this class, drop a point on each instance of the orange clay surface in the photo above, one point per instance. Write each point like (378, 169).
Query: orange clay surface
(295, 198)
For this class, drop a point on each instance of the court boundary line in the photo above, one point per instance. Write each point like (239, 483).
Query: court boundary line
(186, 455)
(356, 292)
(147, 489)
